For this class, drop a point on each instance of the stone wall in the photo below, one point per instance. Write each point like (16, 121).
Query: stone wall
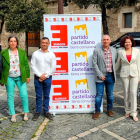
(72, 8)
(114, 17)
(114, 20)
(5, 35)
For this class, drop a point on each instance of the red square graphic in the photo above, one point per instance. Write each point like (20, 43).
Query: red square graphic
(64, 90)
(62, 35)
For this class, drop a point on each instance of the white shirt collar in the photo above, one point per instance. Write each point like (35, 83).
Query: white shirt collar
(45, 52)
(10, 51)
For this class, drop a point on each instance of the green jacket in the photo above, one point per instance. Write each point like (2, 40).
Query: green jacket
(24, 66)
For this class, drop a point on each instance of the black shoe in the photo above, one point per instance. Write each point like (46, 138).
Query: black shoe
(48, 115)
(36, 116)
(0, 122)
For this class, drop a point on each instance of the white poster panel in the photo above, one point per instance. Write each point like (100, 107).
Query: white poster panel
(73, 39)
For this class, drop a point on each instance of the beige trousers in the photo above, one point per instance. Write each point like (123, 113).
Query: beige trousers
(130, 85)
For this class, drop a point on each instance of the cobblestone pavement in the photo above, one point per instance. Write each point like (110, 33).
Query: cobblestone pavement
(68, 126)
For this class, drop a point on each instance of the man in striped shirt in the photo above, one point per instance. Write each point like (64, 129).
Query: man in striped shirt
(104, 67)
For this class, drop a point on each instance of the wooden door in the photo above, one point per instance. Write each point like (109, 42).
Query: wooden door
(34, 39)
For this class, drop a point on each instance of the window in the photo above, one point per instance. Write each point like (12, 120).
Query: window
(127, 20)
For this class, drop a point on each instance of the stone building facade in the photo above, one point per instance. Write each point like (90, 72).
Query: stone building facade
(115, 20)
(5, 35)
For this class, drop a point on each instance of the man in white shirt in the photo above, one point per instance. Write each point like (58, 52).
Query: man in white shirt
(43, 64)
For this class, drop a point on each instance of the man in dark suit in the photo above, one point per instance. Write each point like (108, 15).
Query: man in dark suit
(104, 67)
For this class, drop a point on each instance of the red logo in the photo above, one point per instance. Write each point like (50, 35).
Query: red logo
(62, 63)
(65, 106)
(70, 19)
(64, 90)
(63, 35)
(57, 107)
(78, 19)
(46, 19)
(94, 18)
(88, 106)
(72, 106)
(86, 18)
(54, 19)
(80, 106)
(62, 19)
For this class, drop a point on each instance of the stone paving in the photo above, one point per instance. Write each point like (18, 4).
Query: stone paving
(67, 126)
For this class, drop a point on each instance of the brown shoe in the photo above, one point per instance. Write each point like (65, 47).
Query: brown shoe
(96, 115)
(110, 113)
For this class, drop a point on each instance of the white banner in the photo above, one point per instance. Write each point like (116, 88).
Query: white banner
(73, 39)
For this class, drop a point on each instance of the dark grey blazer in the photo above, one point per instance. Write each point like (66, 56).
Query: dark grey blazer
(99, 63)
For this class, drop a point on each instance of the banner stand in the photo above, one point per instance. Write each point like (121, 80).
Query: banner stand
(73, 39)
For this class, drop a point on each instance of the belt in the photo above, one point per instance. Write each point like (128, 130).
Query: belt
(39, 77)
(109, 73)
(36, 76)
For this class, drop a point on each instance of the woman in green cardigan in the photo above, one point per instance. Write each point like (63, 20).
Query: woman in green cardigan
(15, 71)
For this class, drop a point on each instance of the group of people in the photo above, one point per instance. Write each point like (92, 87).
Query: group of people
(106, 61)
(14, 69)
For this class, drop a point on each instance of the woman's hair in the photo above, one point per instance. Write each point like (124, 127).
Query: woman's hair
(122, 42)
(15, 38)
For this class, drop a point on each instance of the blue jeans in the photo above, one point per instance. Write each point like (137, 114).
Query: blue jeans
(109, 84)
(42, 88)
